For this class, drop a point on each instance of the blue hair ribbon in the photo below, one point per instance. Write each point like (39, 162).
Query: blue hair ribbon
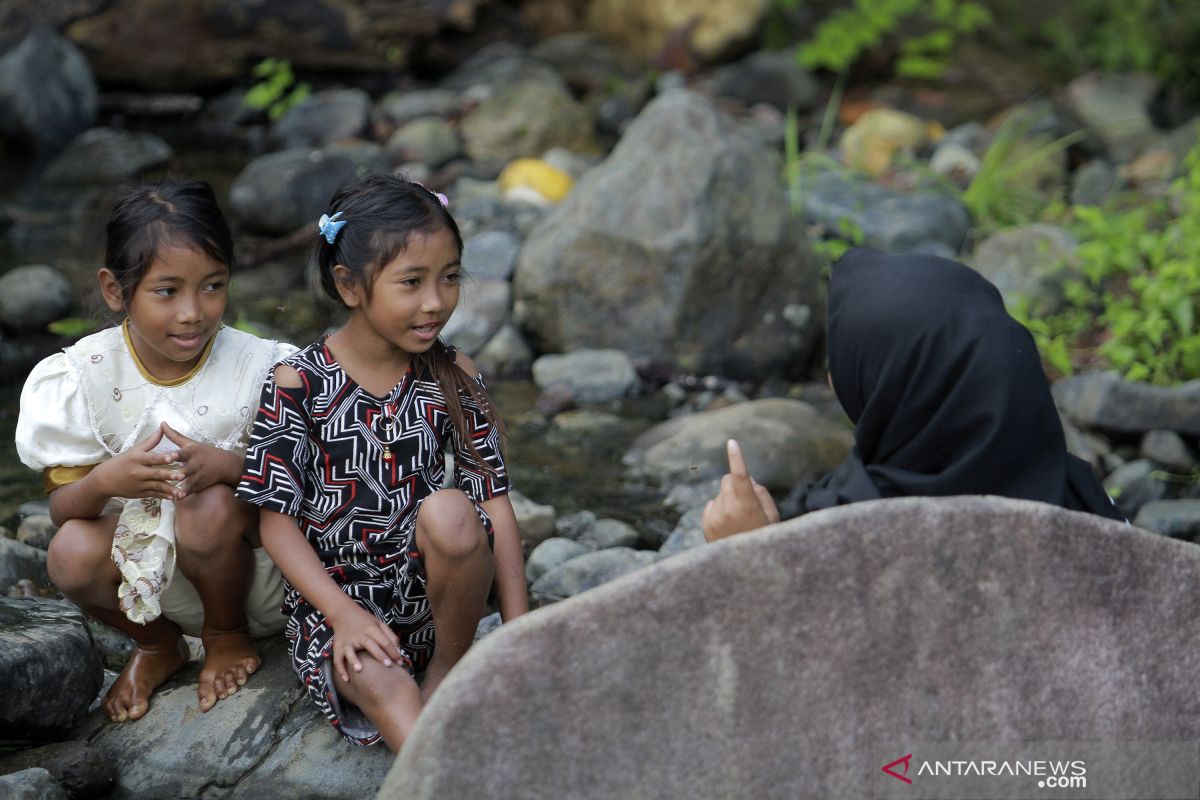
(329, 226)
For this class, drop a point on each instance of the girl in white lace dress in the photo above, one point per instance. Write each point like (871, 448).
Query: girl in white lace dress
(139, 432)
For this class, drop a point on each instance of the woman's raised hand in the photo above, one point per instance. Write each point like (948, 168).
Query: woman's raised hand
(742, 503)
(141, 471)
(358, 629)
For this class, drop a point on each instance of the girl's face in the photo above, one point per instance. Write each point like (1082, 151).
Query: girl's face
(413, 296)
(174, 310)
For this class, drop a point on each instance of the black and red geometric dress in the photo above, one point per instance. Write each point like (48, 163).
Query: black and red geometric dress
(353, 468)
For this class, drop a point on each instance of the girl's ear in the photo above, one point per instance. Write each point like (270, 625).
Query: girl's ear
(348, 287)
(110, 289)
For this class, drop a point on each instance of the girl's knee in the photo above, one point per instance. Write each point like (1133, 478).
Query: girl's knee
(449, 524)
(210, 521)
(77, 556)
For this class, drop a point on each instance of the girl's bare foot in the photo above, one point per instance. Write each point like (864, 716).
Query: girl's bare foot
(229, 661)
(148, 667)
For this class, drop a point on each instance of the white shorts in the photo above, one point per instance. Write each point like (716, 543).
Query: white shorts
(181, 603)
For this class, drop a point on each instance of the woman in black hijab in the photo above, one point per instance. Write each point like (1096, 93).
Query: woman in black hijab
(946, 393)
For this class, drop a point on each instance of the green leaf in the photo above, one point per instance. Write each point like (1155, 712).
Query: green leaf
(72, 327)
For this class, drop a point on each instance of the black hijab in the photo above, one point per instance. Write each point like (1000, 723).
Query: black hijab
(945, 389)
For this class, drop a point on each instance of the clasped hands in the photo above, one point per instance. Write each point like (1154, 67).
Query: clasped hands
(144, 471)
(742, 503)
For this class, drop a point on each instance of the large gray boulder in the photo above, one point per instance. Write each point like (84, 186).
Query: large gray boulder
(782, 663)
(679, 247)
(1106, 401)
(280, 192)
(267, 740)
(783, 441)
(105, 156)
(47, 91)
(51, 670)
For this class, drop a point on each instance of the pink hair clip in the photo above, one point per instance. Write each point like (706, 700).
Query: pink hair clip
(445, 201)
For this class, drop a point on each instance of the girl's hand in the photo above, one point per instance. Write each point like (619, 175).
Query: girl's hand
(139, 472)
(357, 629)
(742, 504)
(201, 465)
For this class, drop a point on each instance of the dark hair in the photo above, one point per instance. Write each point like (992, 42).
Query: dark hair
(381, 214)
(150, 216)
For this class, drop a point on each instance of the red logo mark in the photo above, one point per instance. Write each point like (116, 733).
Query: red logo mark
(888, 768)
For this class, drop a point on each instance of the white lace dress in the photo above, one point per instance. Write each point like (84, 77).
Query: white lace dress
(95, 400)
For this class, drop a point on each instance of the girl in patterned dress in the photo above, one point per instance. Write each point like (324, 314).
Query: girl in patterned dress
(138, 431)
(388, 572)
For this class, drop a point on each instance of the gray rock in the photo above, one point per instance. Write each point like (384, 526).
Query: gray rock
(430, 141)
(37, 531)
(589, 65)
(32, 297)
(605, 533)
(1133, 485)
(768, 76)
(574, 164)
(1093, 183)
(681, 540)
(31, 507)
(1089, 446)
(592, 376)
(1169, 449)
(268, 740)
(904, 222)
(398, 108)
(525, 118)
(280, 192)
(955, 161)
(1103, 400)
(1179, 519)
(497, 65)
(47, 92)
(483, 307)
(21, 562)
(506, 355)
(1030, 262)
(34, 783)
(549, 554)
(79, 768)
(783, 441)
(587, 572)
(628, 260)
(573, 526)
(324, 118)
(588, 422)
(51, 669)
(491, 255)
(535, 521)
(114, 647)
(1115, 108)
(491, 622)
(104, 156)
(948, 619)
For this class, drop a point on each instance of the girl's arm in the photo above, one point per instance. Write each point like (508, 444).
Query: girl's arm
(510, 565)
(138, 472)
(354, 627)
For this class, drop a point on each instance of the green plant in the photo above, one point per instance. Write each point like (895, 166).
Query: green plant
(72, 327)
(1158, 36)
(1005, 190)
(1132, 301)
(842, 37)
(798, 166)
(277, 91)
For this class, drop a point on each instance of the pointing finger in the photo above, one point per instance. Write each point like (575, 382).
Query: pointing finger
(737, 465)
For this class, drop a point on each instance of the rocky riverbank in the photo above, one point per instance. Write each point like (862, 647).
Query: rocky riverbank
(646, 268)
